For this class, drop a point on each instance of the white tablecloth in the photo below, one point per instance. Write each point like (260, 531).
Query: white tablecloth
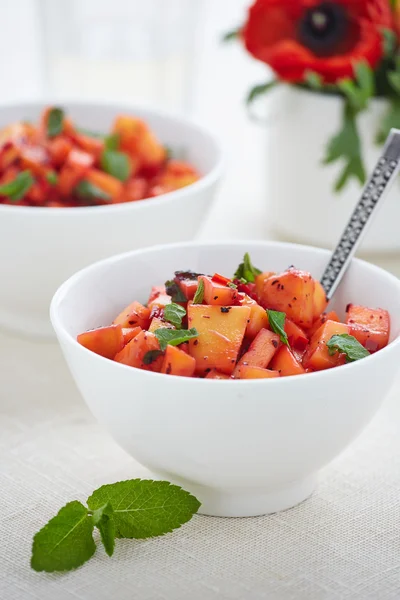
(342, 543)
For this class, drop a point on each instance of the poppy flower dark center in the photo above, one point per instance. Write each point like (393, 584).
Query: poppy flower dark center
(324, 28)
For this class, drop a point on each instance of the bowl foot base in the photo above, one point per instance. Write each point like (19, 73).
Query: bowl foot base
(217, 503)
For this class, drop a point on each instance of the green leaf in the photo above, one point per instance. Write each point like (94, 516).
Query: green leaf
(66, 542)
(174, 337)
(90, 133)
(111, 142)
(313, 80)
(389, 121)
(259, 90)
(174, 313)
(103, 519)
(52, 177)
(18, 187)
(199, 295)
(88, 191)
(55, 122)
(151, 355)
(246, 270)
(348, 345)
(394, 80)
(346, 146)
(173, 289)
(233, 34)
(389, 41)
(116, 164)
(145, 508)
(365, 79)
(277, 324)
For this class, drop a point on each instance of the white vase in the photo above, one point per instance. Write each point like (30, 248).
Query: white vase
(304, 208)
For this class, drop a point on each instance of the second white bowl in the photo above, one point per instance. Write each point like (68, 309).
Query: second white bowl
(41, 247)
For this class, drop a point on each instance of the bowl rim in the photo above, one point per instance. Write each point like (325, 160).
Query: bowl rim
(61, 332)
(203, 183)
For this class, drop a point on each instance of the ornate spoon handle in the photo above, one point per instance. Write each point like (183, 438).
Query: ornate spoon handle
(372, 197)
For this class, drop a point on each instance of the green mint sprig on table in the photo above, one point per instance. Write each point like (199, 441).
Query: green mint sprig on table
(277, 324)
(348, 345)
(246, 270)
(17, 188)
(55, 122)
(199, 295)
(136, 508)
(174, 337)
(174, 313)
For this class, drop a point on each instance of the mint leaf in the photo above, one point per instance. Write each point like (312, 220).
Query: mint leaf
(144, 508)
(18, 187)
(246, 270)
(233, 34)
(260, 90)
(348, 345)
(52, 177)
(174, 313)
(103, 519)
(151, 356)
(90, 133)
(173, 289)
(55, 122)
(199, 295)
(346, 146)
(174, 337)
(111, 142)
(277, 324)
(66, 542)
(88, 191)
(116, 164)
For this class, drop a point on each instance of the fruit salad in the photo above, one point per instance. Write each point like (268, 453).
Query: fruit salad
(253, 325)
(56, 164)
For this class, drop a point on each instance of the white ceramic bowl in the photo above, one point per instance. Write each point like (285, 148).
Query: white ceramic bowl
(242, 447)
(41, 247)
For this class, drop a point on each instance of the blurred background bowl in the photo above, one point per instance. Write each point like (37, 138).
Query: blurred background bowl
(41, 247)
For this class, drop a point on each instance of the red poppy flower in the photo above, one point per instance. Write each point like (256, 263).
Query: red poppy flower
(328, 37)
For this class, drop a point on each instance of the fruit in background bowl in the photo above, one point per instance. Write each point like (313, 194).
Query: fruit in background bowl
(57, 164)
(245, 446)
(231, 334)
(49, 245)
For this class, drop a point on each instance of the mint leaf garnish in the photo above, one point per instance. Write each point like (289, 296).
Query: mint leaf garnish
(103, 519)
(246, 270)
(173, 289)
(55, 122)
(144, 508)
(132, 509)
(111, 142)
(116, 164)
(277, 324)
(174, 313)
(151, 356)
(66, 542)
(174, 337)
(52, 177)
(348, 345)
(199, 295)
(18, 187)
(88, 191)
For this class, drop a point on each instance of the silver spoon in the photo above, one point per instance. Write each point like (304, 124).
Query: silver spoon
(372, 197)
